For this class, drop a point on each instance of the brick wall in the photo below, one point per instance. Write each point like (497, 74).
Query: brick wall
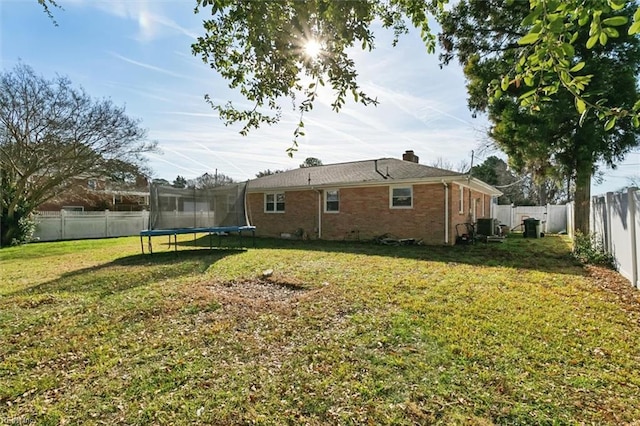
(301, 212)
(364, 213)
(457, 217)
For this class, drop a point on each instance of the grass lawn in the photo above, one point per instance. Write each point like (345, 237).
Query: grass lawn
(93, 332)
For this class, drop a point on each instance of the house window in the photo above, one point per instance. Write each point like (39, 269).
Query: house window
(402, 197)
(92, 183)
(461, 201)
(274, 203)
(332, 201)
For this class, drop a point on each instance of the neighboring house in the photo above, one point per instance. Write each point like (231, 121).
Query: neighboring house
(96, 194)
(365, 199)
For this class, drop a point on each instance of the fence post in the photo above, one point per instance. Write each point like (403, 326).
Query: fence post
(609, 213)
(106, 223)
(632, 212)
(63, 224)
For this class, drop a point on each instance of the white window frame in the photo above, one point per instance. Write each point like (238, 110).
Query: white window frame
(391, 197)
(274, 202)
(326, 201)
(461, 200)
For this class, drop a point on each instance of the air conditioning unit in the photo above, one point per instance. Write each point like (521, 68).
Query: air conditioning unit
(487, 227)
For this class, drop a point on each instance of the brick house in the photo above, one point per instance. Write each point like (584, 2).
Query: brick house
(98, 194)
(364, 199)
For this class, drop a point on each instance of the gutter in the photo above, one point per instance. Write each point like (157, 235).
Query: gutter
(319, 212)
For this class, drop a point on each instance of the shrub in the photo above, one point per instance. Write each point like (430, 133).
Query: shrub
(589, 249)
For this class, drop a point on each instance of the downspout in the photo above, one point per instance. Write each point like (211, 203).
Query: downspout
(446, 212)
(319, 213)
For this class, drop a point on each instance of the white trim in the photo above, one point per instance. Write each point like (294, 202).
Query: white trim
(325, 201)
(391, 188)
(461, 199)
(275, 203)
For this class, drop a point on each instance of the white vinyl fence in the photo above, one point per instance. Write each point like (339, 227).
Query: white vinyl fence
(553, 218)
(615, 221)
(68, 225)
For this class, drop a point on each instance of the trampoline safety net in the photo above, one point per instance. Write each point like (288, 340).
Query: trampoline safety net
(173, 208)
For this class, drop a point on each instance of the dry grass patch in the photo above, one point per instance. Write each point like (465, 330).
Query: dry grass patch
(515, 333)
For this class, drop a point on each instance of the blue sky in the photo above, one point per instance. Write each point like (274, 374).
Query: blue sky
(138, 54)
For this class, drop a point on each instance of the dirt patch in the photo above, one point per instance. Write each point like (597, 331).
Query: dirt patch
(259, 291)
(618, 287)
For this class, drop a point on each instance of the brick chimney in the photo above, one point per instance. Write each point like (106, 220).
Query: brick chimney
(410, 156)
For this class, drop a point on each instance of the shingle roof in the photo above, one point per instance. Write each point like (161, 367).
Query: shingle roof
(351, 173)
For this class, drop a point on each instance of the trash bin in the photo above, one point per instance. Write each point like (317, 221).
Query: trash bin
(531, 228)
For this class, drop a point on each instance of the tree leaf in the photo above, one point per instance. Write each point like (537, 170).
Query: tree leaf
(610, 123)
(635, 28)
(577, 67)
(529, 39)
(582, 117)
(603, 38)
(581, 106)
(592, 41)
(528, 94)
(504, 84)
(615, 21)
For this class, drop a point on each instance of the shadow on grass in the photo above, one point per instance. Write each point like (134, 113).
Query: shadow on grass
(549, 254)
(129, 272)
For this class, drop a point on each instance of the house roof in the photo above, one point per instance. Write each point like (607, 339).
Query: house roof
(383, 171)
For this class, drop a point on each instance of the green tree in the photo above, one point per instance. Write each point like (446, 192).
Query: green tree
(268, 172)
(179, 182)
(311, 162)
(208, 180)
(50, 133)
(548, 139)
(161, 181)
(518, 189)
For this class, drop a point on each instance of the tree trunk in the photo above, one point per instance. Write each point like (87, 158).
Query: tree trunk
(582, 199)
(9, 230)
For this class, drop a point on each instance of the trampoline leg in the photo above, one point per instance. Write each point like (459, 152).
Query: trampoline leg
(210, 241)
(175, 242)
(150, 246)
(141, 244)
(253, 232)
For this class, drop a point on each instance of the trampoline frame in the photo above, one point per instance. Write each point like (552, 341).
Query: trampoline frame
(181, 231)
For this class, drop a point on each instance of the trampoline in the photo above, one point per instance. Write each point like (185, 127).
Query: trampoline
(216, 230)
(214, 211)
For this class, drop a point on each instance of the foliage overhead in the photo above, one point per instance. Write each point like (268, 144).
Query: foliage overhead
(547, 139)
(50, 133)
(259, 48)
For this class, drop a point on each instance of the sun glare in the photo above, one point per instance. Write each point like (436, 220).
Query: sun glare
(312, 49)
